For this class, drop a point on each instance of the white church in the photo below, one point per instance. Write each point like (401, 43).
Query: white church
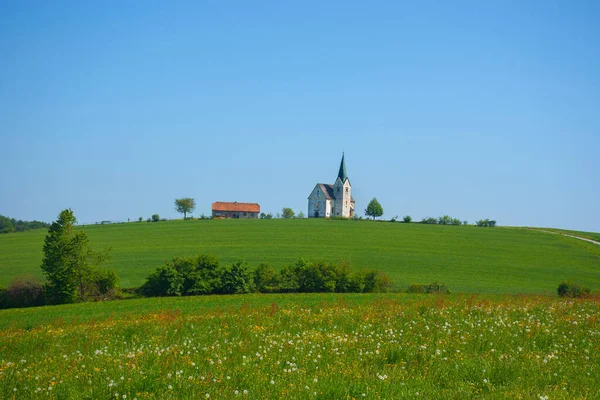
(332, 200)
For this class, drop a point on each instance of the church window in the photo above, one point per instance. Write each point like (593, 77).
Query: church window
(346, 189)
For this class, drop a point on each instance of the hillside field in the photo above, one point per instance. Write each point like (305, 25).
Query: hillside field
(466, 258)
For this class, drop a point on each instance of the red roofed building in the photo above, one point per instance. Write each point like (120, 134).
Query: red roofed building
(226, 209)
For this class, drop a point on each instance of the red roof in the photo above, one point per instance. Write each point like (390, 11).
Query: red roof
(235, 206)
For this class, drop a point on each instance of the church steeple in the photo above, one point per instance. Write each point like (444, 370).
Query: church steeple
(342, 174)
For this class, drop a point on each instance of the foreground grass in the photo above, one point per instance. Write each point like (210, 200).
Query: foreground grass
(312, 346)
(466, 258)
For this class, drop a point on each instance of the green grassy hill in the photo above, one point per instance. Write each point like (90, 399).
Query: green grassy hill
(467, 259)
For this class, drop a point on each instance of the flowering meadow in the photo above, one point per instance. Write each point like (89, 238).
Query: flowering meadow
(342, 347)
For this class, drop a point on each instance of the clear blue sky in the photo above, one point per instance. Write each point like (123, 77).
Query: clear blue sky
(472, 109)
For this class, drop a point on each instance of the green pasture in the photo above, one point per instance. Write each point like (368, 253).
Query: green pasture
(466, 258)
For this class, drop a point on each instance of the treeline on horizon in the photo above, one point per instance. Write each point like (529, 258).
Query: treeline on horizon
(8, 225)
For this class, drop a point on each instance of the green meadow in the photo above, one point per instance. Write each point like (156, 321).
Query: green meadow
(467, 259)
(313, 346)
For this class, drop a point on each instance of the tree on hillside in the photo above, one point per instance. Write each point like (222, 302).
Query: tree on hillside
(287, 213)
(374, 209)
(69, 263)
(185, 205)
(445, 220)
(6, 225)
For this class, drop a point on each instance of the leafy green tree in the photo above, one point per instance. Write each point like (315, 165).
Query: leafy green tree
(69, 262)
(445, 220)
(287, 213)
(237, 279)
(6, 225)
(266, 279)
(374, 209)
(164, 281)
(300, 215)
(407, 219)
(155, 218)
(486, 223)
(185, 205)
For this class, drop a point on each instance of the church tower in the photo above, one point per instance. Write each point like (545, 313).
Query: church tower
(342, 190)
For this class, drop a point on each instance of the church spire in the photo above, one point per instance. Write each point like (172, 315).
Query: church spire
(342, 174)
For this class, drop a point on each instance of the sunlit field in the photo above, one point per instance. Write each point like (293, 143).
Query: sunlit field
(467, 259)
(302, 347)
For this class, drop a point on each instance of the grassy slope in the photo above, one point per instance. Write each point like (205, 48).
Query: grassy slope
(467, 259)
(587, 235)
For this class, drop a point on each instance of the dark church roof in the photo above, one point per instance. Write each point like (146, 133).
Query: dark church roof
(343, 175)
(327, 189)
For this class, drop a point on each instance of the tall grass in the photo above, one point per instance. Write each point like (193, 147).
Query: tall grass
(321, 347)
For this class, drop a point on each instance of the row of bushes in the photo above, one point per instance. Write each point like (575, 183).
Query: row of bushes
(204, 275)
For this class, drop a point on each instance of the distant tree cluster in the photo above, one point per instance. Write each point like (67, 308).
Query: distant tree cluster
(8, 225)
(266, 216)
(443, 220)
(204, 275)
(287, 213)
(486, 223)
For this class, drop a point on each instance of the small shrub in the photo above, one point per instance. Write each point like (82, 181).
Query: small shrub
(486, 223)
(102, 285)
(288, 278)
(266, 279)
(237, 279)
(164, 281)
(434, 287)
(25, 291)
(376, 282)
(4, 302)
(570, 289)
